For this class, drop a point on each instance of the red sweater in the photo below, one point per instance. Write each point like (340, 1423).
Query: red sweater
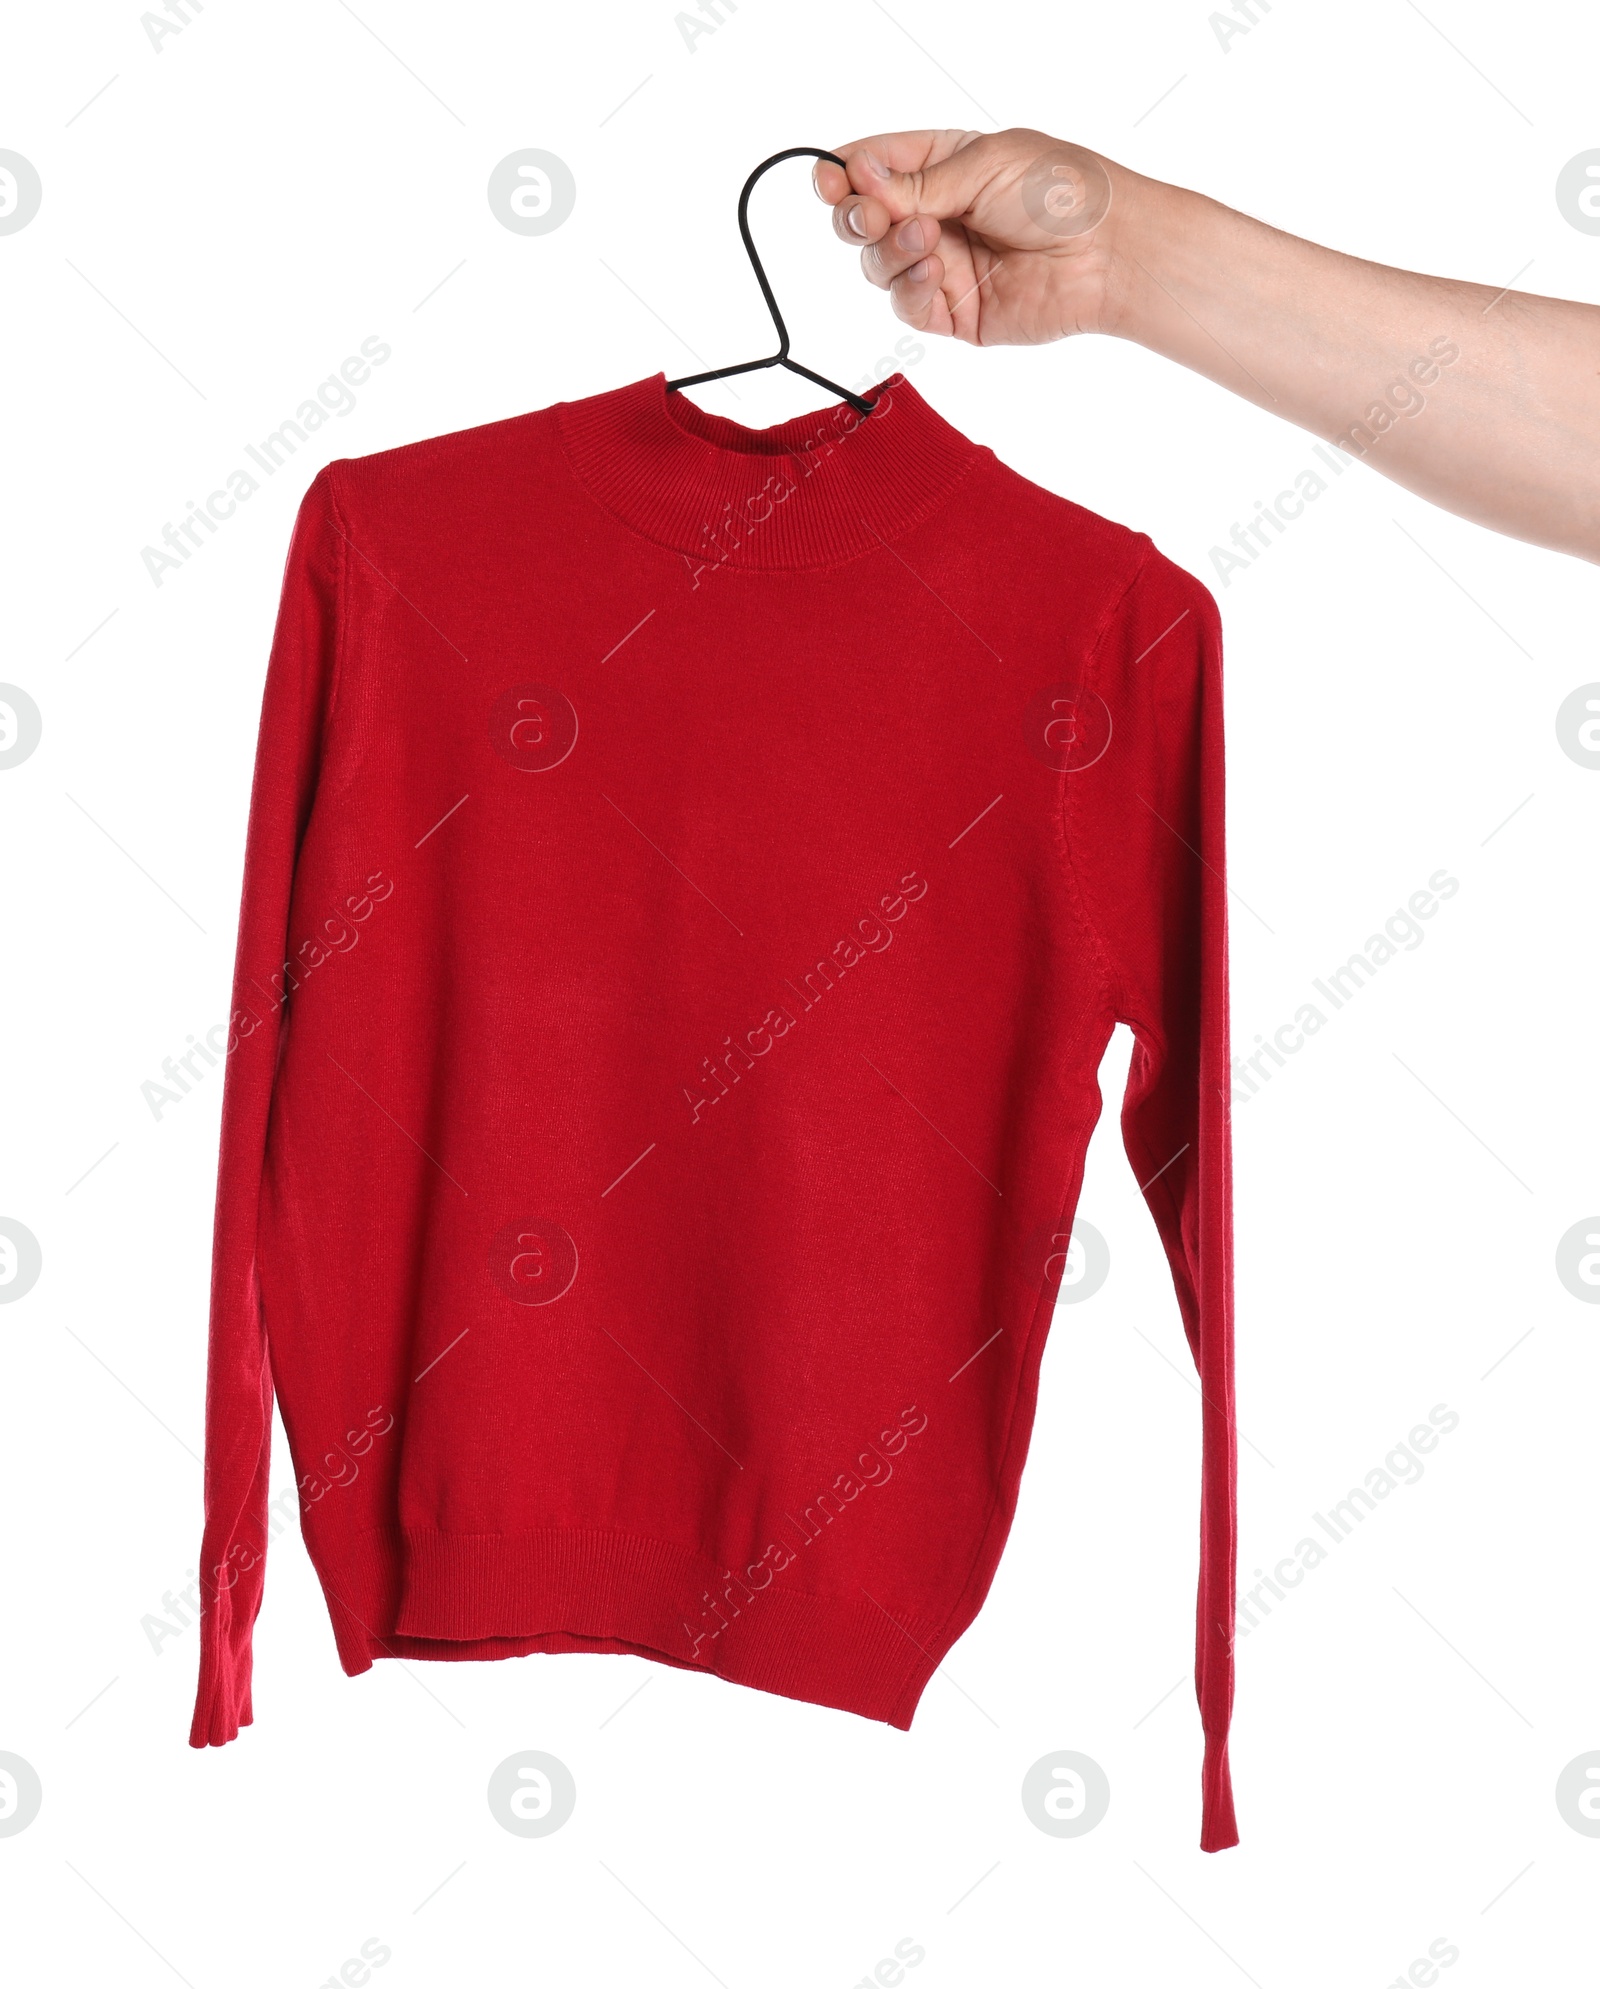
(693, 874)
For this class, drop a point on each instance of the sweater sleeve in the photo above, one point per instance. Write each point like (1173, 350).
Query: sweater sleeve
(300, 684)
(1145, 823)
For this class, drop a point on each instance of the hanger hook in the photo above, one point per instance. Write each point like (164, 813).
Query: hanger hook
(781, 356)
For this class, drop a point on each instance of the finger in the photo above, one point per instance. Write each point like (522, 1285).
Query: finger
(857, 218)
(860, 220)
(909, 172)
(878, 184)
(905, 243)
(918, 297)
(831, 182)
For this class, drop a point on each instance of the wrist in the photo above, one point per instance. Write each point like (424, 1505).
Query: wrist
(1131, 241)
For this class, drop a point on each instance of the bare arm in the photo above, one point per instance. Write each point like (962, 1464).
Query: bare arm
(1485, 402)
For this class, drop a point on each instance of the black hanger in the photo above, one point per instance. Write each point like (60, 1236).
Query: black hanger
(781, 356)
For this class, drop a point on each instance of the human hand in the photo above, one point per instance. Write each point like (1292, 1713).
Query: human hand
(999, 238)
(1017, 238)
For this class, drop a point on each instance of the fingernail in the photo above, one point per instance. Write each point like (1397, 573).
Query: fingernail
(854, 222)
(919, 272)
(910, 236)
(876, 165)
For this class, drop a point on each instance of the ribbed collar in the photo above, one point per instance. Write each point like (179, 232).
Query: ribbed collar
(823, 487)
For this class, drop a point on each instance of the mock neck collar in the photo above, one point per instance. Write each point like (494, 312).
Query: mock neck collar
(809, 492)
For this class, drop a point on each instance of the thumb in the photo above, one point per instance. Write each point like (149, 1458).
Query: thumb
(1020, 187)
(912, 172)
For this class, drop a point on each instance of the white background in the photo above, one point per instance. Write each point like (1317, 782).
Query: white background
(223, 223)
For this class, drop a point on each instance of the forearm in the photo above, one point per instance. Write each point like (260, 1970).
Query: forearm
(1506, 431)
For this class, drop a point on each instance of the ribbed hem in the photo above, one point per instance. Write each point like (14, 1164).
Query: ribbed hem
(820, 488)
(483, 1595)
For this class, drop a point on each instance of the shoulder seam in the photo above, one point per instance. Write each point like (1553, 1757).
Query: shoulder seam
(1118, 600)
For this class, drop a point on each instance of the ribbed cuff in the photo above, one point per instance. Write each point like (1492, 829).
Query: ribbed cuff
(222, 1700)
(1218, 1830)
